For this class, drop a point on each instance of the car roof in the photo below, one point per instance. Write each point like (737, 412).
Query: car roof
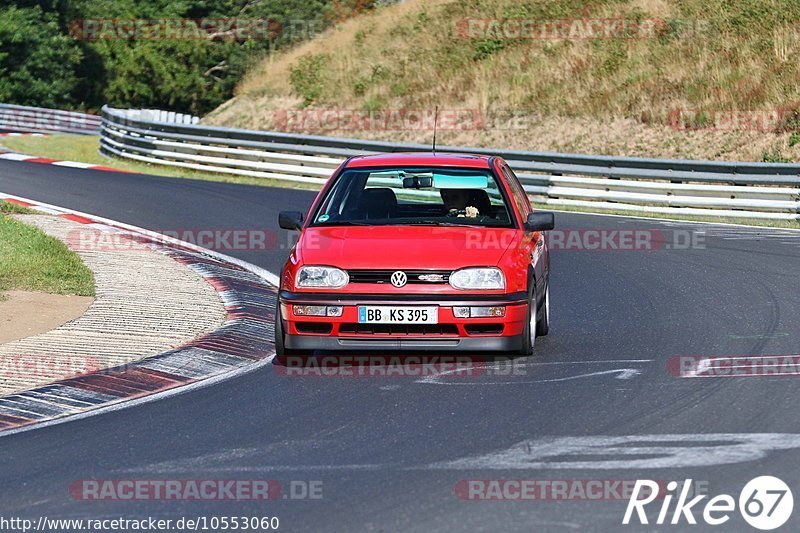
(426, 159)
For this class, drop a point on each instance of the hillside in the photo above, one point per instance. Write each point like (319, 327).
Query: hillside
(686, 78)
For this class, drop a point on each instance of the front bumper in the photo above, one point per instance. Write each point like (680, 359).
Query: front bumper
(450, 334)
(473, 344)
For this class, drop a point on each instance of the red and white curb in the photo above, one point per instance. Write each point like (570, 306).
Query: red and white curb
(13, 156)
(243, 343)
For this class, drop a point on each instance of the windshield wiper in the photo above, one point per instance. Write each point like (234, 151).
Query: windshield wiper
(344, 223)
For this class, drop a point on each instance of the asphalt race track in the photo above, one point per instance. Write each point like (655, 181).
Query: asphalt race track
(390, 452)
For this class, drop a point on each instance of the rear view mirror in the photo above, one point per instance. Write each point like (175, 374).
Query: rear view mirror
(290, 220)
(417, 182)
(540, 221)
(460, 181)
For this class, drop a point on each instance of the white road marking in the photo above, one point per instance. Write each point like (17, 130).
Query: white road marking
(626, 452)
(161, 469)
(598, 361)
(629, 452)
(16, 157)
(622, 373)
(73, 164)
(47, 211)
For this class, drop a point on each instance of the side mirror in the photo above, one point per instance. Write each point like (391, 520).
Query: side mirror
(540, 221)
(290, 220)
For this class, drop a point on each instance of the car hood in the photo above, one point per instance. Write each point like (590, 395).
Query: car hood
(404, 247)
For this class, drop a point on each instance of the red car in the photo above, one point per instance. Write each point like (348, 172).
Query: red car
(416, 251)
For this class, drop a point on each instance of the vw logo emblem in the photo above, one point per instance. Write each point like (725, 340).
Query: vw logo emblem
(399, 278)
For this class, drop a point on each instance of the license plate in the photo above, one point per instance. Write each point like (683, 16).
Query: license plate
(368, 314)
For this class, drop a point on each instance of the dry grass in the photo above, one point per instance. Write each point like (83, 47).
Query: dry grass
(594, 96)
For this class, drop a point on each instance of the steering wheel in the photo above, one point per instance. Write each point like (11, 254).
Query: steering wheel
(457, 212)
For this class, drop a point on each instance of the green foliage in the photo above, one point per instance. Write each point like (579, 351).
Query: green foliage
(37, 61)
(483, 48)
(400, 88)
(43, 62)
(306, 77)
(773, 157)
(360, 87)
(8, 208)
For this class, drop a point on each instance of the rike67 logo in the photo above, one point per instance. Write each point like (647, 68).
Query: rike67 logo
(765, 503)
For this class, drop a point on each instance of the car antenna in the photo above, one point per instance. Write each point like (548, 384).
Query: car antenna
(435, 123)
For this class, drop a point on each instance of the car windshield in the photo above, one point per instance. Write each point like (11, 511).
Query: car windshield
(415, 196)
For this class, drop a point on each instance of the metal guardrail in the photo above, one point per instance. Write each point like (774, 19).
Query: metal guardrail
(724, 189)
(24, 119)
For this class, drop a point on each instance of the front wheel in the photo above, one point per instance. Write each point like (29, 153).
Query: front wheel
(529, 332)
(543, 322)
(280, 346)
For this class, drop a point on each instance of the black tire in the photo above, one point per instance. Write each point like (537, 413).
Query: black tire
(528, 340)
(280, 346)
(543, 320)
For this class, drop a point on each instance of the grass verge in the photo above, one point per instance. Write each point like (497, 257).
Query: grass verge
(85, 150)
(789, 224)
(31, 260)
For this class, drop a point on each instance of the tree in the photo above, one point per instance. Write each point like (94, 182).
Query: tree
(37, 60)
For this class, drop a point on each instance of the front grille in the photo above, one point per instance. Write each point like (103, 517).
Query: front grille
(384, 276)
(353, 328)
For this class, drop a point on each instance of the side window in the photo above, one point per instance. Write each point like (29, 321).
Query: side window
(520, 198)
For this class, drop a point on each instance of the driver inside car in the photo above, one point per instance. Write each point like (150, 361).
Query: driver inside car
(465, 202)
(456, 200)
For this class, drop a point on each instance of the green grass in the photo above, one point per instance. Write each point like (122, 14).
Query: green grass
(8, 208)
(31, 260)
(790, 224)
(85, 149)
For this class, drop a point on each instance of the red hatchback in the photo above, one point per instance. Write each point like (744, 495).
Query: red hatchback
(416, 251)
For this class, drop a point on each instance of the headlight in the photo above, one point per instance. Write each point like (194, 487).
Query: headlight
(321, 276)
(478, 278)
